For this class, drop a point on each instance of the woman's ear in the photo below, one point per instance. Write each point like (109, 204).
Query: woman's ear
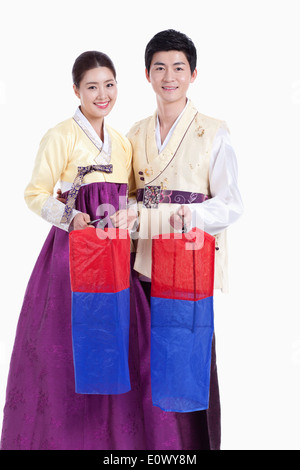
(76, 91)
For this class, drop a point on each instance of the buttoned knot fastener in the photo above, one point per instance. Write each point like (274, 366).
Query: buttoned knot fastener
(72, 196)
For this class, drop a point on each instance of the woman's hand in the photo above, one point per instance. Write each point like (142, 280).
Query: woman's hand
(81, 221)
(59, 196)
(124, 219)
(182, 219)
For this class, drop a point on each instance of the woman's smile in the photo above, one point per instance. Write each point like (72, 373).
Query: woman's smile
(102, 105)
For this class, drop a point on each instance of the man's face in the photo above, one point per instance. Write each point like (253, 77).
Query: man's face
(170, 76)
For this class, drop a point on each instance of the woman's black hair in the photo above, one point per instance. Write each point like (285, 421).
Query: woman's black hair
(89, 60)
(171, 40)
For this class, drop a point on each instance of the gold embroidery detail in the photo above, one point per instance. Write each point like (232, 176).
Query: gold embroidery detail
(148, 172)
(164, 184)
(200, 131)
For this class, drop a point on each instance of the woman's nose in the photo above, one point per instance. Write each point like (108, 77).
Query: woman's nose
(101, 93)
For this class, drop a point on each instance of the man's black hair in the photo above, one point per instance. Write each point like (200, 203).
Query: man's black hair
(171, 40)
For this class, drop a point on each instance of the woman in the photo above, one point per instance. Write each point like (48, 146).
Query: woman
(42, 410)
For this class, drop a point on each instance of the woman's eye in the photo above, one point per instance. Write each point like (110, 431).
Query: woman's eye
(92, 87)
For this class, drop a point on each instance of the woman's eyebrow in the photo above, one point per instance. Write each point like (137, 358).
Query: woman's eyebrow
(96, 83)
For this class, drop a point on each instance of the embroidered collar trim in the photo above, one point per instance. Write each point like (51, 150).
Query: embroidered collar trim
(104, 147)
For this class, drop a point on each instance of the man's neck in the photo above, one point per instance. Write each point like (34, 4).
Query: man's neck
(167, 115)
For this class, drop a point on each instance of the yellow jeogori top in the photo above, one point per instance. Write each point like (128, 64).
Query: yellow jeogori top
(63, 148)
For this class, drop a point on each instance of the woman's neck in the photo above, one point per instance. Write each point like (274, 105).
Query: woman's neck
(97, 124)
(98, 127)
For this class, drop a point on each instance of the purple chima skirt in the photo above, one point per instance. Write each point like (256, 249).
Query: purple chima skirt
(42, 410)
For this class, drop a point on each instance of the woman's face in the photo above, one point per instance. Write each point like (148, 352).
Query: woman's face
(97, 93)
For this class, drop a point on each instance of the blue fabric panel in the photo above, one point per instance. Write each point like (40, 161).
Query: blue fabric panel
(181, 338)
(182, 313)
(100, 334)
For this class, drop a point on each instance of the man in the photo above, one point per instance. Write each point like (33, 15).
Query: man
(186, 176)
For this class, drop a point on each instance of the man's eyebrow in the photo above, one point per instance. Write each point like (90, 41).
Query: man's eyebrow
(176, 63)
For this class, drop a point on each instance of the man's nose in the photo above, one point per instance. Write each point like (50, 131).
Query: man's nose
(169, 75)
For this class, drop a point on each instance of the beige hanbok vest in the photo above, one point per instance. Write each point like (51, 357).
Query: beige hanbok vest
(178, 175)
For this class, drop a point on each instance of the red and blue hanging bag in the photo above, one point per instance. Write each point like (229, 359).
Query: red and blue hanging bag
(182, 320)
(99, 272)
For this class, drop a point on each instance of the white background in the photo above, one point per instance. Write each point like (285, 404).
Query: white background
(249, 75)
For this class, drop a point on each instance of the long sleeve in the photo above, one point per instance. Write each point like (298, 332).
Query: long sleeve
(131, 179)
(51, 161)
(225, 205)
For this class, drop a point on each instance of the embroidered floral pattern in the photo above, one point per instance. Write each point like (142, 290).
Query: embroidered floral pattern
(166, 196)
(200, 131)
(148, 172)
(15, 398)
(154, 195)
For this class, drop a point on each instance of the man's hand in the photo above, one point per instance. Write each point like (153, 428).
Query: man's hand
(182, 219)
(124, 219)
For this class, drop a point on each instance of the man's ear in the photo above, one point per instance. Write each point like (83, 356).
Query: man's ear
(194, 76)
(147, 75)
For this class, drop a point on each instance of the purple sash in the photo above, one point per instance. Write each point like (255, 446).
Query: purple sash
(154, 195)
